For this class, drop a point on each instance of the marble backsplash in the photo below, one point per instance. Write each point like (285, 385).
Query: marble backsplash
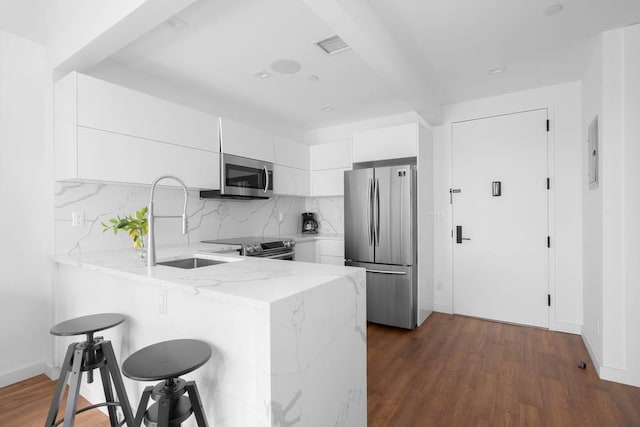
(208, 219)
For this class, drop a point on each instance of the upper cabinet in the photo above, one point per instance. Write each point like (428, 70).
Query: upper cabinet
(245, 141)
(328, 163)
(291, 167)
(392, 142)
(105, 132)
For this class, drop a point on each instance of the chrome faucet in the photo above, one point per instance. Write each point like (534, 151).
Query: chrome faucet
(151, 259)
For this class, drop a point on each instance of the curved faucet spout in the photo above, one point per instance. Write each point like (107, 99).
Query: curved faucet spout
(151, 258)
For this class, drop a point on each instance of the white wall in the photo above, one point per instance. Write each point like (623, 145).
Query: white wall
(611, 87)
(25, 219)
(565, 162)
(592, 211)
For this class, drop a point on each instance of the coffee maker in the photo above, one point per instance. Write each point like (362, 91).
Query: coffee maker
(309, 223)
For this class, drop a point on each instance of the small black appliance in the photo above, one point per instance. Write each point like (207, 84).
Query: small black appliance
(309, 223)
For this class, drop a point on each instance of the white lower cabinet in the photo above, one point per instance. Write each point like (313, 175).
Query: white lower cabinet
(328, 182)
(307, 251)
(288, 181)
(106, 156)
(331, 251)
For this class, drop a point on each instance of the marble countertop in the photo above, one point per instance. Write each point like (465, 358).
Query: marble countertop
(243, 279)
(304, 237)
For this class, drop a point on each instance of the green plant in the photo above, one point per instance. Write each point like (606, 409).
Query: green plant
(137, 226)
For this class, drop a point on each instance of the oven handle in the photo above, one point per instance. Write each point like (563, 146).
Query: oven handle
(277, 256)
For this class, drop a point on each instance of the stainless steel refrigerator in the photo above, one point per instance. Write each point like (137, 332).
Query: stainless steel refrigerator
(380, 236)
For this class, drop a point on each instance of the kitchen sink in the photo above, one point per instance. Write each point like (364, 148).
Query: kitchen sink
(192, 262)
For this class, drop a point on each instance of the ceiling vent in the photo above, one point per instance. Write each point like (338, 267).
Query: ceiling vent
(332, 45)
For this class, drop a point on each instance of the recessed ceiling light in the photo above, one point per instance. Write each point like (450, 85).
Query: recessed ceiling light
(498, 70)
(553, 9)
(286, 66)
(263, 75)
(177, 23)
(314, 78)
(327, 109)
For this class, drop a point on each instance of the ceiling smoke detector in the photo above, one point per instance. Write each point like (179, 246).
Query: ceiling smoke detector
(286, 66)
(333, 44)
(553, 9)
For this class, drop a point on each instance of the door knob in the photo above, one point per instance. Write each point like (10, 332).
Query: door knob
(459, 237)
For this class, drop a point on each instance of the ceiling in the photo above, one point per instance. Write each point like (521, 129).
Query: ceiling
(439, 48)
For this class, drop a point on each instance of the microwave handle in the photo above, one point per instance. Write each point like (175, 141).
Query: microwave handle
(266, 181)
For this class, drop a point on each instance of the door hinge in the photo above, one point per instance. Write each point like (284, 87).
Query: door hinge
(548, 300)
(548, 183)
(548, 125)
(548, 241)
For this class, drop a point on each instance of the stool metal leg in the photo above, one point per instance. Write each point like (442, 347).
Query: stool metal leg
(108, 395)
(142, 408)
(196, 404)
(164, 409)
(74, 387)
(118, 384)
(62, 382)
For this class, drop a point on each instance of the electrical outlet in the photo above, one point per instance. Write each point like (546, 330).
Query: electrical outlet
(598, 326)
(77, 219)
(162, 302)
(280, 217)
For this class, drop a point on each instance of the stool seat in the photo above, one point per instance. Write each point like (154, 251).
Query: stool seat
(167, 359)
(87, 324)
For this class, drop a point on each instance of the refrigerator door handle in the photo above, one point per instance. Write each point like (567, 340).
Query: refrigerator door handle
(377, 213)
(370, 212)
(400, 273)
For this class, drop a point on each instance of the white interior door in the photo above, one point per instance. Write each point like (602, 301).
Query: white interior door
(501, 271)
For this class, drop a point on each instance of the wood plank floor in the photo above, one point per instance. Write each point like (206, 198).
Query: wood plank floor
(452, 371)
(26, 404)
(460, 371)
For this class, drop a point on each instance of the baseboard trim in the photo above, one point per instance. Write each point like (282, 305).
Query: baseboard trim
(443, 308)
(619, 376)
(569, 328)
(21, 374)
(51, 371)
(595, 360)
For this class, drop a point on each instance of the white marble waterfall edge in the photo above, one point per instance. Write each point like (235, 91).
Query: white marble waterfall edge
(297, 359)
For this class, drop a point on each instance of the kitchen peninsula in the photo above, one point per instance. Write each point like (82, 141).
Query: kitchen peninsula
(288, 338)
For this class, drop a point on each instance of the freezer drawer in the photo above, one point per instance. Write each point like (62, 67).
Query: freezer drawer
(391, 294)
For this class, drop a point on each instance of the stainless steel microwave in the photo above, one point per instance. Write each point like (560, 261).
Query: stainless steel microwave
(243, 178)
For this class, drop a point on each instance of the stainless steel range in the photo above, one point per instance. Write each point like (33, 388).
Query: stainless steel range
(262, 247)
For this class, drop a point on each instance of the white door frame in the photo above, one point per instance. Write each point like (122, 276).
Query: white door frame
(551, 208)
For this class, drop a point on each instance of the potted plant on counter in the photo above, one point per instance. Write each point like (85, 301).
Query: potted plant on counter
(137, 227)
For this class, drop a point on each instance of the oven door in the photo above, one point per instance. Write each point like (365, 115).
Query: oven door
(284, 256)
(246, 177)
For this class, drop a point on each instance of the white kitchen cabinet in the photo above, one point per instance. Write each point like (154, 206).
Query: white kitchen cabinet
(287, 152)
(289, 181)
(327, 182)
(105, 132)
(245, 141)
(391, 142)
(331, 251)
(307, 251)
(103, 156)
(328, 163)
(335, 155)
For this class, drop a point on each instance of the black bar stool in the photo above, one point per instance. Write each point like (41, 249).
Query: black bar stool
(166, 361)
(94, 353)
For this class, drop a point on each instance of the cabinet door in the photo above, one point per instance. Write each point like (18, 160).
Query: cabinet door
(331, 247)
(331, 260)
(392, 142)
(106, 156)
(242, 140)
(335, 155)
(306, 251)
(106, 106)
(327, 182)
(290, 153)
(290, 181)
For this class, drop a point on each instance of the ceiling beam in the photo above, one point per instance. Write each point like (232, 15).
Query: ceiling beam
(106, 28)
(358, 25)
